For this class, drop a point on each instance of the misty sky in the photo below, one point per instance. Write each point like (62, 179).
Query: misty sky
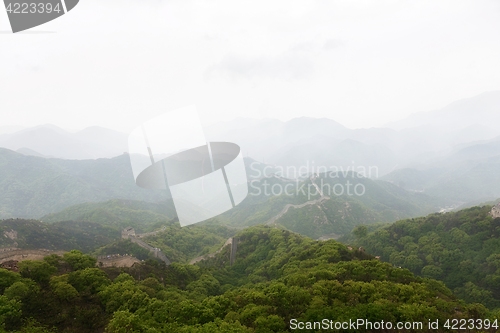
(116, 63)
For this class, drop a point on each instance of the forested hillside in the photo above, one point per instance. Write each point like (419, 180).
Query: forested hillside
(278, 276)
(33, 234)
(339, 211)
(31, 187)
(119, 214)
(103, 238)
(460, 248)
(312, 215)
(178, 244)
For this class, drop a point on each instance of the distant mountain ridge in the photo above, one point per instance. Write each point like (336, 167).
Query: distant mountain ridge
(57, 169)
(470, 174)
(52, 141)
(422, 136)
(483, 110)
(31, 186)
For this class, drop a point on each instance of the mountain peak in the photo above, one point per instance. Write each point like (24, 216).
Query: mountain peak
(483, 109)
(44, 127)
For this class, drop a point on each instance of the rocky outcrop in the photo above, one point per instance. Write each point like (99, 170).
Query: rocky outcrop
(11, 265)
(495, 211)
(10, 234)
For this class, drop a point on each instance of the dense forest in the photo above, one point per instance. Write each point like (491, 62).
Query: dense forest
(103, 237)
(65, 235)
(278, 276)
(460, 248)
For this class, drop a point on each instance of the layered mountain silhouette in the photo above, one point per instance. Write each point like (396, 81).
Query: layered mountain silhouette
(483, 110)
(52, 141)
(422, 138)
(33, 186)
(456, 158)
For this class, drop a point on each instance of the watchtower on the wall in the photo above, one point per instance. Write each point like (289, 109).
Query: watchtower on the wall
(128, 232)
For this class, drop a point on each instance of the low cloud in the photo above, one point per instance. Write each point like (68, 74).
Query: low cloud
(331, 44)
(285, 67)
(296, 63)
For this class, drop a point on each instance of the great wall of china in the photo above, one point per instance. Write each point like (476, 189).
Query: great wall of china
(129, 233)
(233, 241)
(7, 254)
(14, 254)
(117, 260)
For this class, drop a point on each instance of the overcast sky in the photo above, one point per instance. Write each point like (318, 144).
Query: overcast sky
(116, 63)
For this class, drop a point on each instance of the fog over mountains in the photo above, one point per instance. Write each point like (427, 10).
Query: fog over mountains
(419, 140)
(452, 153)
(52, 141)
(481, 111)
